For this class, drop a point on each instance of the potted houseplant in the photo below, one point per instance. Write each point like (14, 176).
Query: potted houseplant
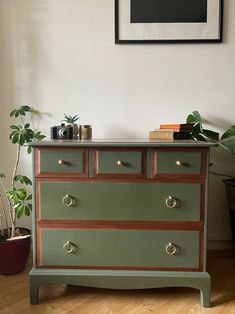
(15, 200)
(71, 120)
(227, 142)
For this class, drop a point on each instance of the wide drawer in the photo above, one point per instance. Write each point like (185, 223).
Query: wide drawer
(174, 162)
(117, 162)
(119, 248)
(58, 162)
(119, 201)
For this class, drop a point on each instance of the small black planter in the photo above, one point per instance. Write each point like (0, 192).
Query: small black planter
(230, 191)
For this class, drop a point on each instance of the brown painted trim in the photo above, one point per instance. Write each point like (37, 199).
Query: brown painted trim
(37, 164)
(119, 268)
(120, 225)
(153, 163)
(38, 152)
(202, 203)
(204, 161)
(38, 201)
(141, 175)
(39, 248)
(125, 180)
(179, 176)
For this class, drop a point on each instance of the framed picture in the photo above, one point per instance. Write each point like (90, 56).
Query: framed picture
(159, 21)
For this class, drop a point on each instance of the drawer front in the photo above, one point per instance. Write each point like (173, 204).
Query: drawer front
(61, 162)
(177, 162)
(117, 162)
(118, 201)
(119, 248)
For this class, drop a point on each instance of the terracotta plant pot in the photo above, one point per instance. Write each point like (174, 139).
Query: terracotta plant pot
(14, 254)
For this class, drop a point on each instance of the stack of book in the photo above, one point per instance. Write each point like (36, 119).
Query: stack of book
(181, 131)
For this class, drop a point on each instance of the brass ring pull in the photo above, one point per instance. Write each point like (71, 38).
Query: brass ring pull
(171, 249)
(179, 163)
(61, 162)
(120, 163)
(67, 200)
(69, 247)
(171, 202)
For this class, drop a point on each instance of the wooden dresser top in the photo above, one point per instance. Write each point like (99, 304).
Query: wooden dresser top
(122, 143)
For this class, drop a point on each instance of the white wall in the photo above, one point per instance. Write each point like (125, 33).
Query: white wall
(60, 56)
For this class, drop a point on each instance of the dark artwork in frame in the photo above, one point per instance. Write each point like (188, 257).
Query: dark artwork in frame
(168, 21)
(168, 11)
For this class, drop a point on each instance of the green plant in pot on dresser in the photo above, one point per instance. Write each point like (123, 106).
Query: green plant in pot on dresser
(71, 120)
(227, 142)
(15, 200)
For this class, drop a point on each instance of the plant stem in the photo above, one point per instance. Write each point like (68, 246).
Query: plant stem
(4, 212)
(16, 166)
(11, 209)
(22, 120)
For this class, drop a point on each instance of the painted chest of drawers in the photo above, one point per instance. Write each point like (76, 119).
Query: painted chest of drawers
(120, 215)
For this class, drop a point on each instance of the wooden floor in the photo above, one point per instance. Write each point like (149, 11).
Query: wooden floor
(14, 291)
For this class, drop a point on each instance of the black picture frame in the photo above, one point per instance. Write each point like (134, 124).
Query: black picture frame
(210, 31)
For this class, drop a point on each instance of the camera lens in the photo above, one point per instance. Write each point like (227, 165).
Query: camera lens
(63, 132)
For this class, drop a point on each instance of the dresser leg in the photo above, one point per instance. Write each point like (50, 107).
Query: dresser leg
(205, 296)
(34, 290)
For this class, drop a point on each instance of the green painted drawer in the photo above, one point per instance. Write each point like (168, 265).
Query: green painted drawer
(120, 248)
(118, 201)
(61, 162)
(177, 162)
(117, 162)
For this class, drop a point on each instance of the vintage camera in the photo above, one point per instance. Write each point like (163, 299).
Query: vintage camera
(62, 132)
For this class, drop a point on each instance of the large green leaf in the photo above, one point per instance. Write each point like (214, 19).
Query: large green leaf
(35, 112)
(194, 117)
(229, 144)
(23, 207)
(21, 201)
(229, 133)
(37, 136)
(23, 179)
(15, 127)
(22, 135)
(22, 110)
(21, 194)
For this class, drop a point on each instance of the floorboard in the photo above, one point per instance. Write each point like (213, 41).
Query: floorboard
(14, 295)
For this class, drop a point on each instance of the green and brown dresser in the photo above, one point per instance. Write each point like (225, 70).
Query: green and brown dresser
(120, 214)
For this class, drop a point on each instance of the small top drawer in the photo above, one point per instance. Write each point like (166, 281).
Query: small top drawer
(118, 162)
(178, 162)
(59, 162)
